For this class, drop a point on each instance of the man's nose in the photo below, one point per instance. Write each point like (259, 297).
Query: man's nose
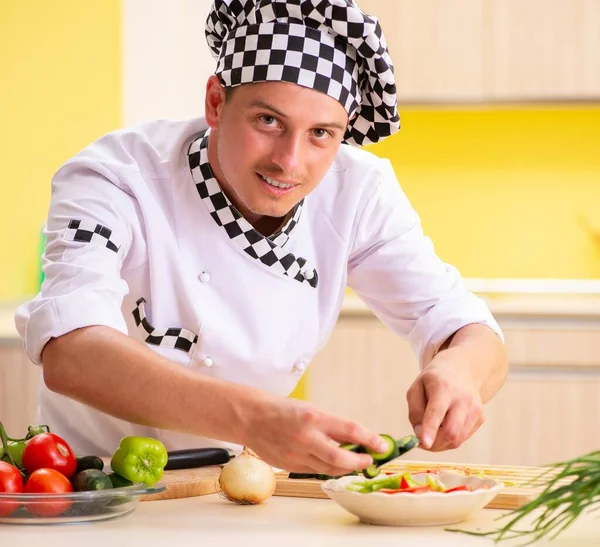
(288, 153)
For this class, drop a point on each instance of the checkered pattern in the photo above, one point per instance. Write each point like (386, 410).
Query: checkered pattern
(90, 232)
(176, 338)
(327, 45)
(268, 250)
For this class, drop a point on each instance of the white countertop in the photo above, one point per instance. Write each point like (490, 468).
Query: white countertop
(516, 305)
(289, 522)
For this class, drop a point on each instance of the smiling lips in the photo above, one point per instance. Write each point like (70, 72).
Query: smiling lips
(276, 184)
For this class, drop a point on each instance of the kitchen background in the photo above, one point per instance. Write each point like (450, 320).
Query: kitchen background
(499, 152)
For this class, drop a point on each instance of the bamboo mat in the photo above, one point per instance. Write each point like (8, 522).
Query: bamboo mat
(516, 491)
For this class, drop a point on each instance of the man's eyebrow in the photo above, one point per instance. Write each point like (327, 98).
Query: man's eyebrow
(257, 103)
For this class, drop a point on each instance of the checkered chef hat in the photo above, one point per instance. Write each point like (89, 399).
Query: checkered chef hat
(327, 45)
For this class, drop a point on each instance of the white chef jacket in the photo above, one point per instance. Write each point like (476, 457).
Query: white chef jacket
(140, 238)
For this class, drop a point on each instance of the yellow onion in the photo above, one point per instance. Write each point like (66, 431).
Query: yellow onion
(246, 479)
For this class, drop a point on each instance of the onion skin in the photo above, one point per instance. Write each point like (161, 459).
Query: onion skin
(247, 480)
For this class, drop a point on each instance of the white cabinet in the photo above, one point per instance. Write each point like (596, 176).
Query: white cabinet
(19, 380)
(470, 50)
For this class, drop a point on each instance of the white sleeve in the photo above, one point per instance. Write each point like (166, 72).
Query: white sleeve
(88, 236)
(394, 269)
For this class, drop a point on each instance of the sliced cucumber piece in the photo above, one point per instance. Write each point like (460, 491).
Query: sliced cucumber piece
(371, 472)
(390, 453)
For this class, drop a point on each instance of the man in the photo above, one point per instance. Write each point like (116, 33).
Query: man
(193, 269)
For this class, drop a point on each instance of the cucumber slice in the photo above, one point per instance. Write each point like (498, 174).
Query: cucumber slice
(353, 447)
(387, 455)
(371, 472)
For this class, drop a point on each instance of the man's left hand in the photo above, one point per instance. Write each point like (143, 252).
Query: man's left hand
(444, 402)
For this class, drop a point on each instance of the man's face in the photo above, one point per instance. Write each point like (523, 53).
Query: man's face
(274, 143)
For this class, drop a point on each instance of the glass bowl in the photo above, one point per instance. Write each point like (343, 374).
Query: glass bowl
(72, 507)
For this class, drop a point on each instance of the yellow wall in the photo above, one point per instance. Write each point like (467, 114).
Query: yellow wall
(60, 68)
(505, 191)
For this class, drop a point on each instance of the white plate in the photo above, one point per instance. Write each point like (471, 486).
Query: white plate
(422, 509)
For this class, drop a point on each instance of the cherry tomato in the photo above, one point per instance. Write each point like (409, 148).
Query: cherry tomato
(11, 482)
(48, 481)
(49, 451)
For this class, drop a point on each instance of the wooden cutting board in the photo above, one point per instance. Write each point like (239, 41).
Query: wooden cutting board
(515, 493)
(187, 483)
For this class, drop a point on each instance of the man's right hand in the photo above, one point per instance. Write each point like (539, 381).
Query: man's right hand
(298, 437)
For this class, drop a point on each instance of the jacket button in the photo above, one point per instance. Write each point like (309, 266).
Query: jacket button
(308, 274)
(207, 362)
(300, 366)
(205, 277)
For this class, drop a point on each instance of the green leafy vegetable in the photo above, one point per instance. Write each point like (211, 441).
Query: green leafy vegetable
(560, 502)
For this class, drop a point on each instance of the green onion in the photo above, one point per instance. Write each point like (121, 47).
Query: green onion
(560, 502)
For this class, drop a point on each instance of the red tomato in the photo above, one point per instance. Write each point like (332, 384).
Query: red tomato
(48, 481)
(49, 451)
(11, 481)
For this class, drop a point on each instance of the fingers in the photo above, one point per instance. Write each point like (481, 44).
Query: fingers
(463, 419)
(475, 420)
(438, 403)
(334, 460)
(312, 464)
(417, 402)
(452, 431)
(345, 431)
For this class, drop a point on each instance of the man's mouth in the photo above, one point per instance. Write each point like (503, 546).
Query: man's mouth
(276, 183)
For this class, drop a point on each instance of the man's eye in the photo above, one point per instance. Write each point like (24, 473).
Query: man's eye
(267, 120)
(320, 133)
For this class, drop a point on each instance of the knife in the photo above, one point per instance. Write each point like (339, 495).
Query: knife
(190, 458)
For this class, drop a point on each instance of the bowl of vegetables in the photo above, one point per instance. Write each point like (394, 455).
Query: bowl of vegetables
(412, 499)
(42, 481)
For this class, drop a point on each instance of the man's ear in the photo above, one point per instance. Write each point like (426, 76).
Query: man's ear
(214, 101)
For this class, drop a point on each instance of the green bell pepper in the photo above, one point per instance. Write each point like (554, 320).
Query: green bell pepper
(140, 459)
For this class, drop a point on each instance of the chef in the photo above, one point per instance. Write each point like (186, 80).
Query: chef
(193, 269)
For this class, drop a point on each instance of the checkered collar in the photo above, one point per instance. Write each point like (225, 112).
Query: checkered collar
(268, 250)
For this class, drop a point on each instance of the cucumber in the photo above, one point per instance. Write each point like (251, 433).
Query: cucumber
(319, 476)
(89, 462)
(325, 477)
(371, 472)
(406, 443)
(387, 455)
(394, 449)
(91, 479)
(117, 481)
(353, 448)
(302, 476)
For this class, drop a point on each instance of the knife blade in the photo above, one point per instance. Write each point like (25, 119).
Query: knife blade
(190, 458)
